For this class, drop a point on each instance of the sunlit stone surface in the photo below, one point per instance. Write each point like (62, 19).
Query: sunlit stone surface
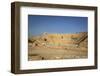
(58, 46)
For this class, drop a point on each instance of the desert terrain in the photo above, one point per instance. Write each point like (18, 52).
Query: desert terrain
(58, 46)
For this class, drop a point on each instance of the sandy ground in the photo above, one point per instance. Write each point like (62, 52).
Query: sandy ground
(39, 53)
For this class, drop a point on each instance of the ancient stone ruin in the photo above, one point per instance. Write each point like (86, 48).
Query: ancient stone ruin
(64, 42)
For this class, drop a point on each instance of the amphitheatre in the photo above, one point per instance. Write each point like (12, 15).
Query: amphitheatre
(53, 46)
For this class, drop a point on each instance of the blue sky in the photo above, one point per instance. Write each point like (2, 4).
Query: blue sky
(38, 24)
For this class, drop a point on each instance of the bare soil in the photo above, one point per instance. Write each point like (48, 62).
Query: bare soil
(41, 53)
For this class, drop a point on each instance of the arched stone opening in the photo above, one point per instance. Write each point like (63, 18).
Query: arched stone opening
(36, 44)
(45, 39)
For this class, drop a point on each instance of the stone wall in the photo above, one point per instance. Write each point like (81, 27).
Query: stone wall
(59, 40)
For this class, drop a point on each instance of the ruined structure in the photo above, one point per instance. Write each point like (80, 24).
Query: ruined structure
(60, 40)
(76, 42)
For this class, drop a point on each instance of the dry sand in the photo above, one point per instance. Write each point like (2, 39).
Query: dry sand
(38, 53)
